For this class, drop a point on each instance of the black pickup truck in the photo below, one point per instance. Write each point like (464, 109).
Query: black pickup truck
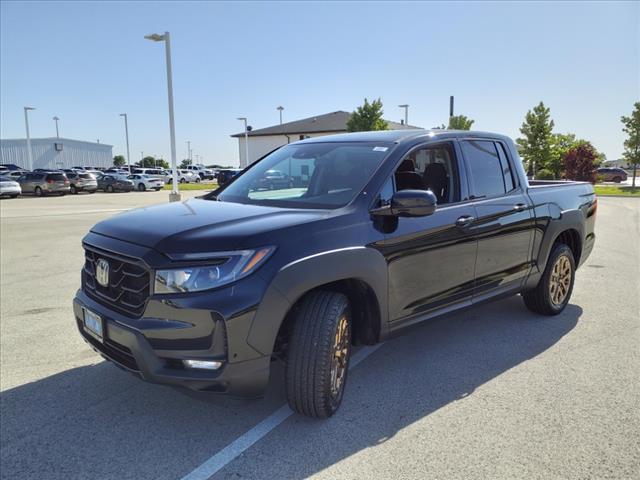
(376, 232)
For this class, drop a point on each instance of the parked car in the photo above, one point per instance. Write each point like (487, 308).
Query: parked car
(201, 171)
(184, 176)
(612, 174)
(226, 175)
(44, 183)
(272, 180)
(9, 187)
(82, 182)
(114, 183)
(10, 167)
(388, 230)
(158, 173)
(145, 182)
(13, 174)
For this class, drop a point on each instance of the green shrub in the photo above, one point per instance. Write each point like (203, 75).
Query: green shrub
(544, 174)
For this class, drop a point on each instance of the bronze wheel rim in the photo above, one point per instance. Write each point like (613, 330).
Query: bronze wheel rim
(560, 280)
(340, 357)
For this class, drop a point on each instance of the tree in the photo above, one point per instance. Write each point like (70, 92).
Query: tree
(185, 163)
(536, 142)
(460, 122)
(119, 161)
(632, 144)
(368, 117)
(561, 143)
(580, 163)
(151, 162)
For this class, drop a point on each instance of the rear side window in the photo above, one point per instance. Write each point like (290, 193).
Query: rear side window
(486, 169)
(85, 175)
(509, 182)
(56, 177)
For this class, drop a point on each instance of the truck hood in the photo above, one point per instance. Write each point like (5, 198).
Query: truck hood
(198, 225)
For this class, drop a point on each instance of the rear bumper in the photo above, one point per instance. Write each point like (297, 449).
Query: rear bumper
(150, 352)
(10, 191)
(86, 188)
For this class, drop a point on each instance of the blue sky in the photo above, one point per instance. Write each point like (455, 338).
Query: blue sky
(88, 62)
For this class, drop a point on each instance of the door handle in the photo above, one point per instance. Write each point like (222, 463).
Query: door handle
(518, 207)
(464, 221)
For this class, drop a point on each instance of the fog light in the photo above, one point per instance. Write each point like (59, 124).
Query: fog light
(202, 364)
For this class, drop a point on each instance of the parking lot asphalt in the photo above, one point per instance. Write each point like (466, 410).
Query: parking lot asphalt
(493, 392)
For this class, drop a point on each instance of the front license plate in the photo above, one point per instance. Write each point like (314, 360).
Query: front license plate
(92, 324)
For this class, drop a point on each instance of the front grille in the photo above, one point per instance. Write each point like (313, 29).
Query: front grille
(128, 287)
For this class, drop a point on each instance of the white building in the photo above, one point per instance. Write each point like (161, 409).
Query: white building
(56, 153)
(265, 140)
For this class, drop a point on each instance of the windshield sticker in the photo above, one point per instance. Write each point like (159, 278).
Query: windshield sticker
(380, 149)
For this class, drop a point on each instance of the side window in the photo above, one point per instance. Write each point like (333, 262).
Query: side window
(509, 182)
(486, 170)
(431, 168)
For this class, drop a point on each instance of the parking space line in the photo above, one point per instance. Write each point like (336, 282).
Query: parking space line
(232, 451)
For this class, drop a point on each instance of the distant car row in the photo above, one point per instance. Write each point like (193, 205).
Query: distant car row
(42, 183)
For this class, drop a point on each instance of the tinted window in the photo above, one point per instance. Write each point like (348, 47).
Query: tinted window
(86, 175)
(486, 170)
(56, 177)
(506, 168)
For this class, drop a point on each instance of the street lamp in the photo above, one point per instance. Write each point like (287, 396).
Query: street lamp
(55, 119)
(26, 125)
(246, 142)
(126, 132)
(406, 113)
(189, 153)
(174, 196)
(280, 108)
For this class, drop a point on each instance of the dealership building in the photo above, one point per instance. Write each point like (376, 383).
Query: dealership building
(56, 153)
(265, 140)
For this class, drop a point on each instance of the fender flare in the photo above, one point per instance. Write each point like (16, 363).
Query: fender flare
(300, 276)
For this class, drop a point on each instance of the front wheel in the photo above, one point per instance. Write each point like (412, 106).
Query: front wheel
(110, 189)
(318, 356)
(74, 190)
(142, 187)
(552, 294)
(183, 180)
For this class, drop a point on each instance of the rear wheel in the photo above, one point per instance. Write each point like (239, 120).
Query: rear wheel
(74, 190)
(552, 294)
(142, 187)
(617, 179)
(183, 180)
(318, 356)
(38, 192)
(110, 188)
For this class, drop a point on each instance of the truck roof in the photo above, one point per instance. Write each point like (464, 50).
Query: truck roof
(400, 136)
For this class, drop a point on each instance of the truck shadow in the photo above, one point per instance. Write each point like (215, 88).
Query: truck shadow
(98, 422)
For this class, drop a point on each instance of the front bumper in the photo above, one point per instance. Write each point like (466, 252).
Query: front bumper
(153, 347)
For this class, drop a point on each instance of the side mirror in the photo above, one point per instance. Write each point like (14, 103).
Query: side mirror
(409, 203)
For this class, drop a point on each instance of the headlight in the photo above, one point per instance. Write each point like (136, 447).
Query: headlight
(221, 268)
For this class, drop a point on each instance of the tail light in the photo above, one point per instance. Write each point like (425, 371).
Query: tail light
(50, 181)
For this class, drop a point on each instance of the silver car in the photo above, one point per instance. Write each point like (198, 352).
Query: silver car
(82, 182)
(9, 188)
(44, 183)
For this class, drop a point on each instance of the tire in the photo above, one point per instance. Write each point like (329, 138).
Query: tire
(312, 361)
(38, 192)
(617, 179)
(110, 189)
(183, 180)
(142, 187)
(198, 180)
(540, 299)
(74, 190)
(15, 196)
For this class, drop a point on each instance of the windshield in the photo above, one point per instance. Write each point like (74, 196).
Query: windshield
(312, 175)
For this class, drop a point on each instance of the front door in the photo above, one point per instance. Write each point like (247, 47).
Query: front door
(430, 259)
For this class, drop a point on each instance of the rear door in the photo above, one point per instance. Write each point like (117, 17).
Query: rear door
(504, 222)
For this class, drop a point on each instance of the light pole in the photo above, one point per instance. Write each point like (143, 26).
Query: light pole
(189, 151)
(246, 142)
(126, 133)
(174, 196)
(55, 119)
(26, 125)
(406, 113)
(280, 108)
